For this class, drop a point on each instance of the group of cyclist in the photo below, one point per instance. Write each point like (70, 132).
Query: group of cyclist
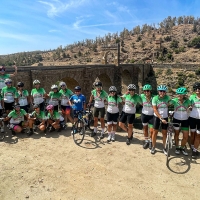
(16, 103)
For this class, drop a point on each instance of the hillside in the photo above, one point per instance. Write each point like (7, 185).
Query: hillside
(175, 41)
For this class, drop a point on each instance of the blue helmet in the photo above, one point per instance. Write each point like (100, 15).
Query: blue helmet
(162, 87)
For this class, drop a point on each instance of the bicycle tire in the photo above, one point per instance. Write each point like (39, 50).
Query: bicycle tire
(167, 147)
(2, 136)
(78, 132)
(90, 121)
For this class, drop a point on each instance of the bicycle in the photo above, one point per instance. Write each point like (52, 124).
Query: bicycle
(78, 130)
(89, 118)
(2, 135)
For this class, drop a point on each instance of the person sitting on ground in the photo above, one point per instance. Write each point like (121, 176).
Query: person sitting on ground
(38, 118)
(54, 119)
(4, 76)
(9, 94)
(16, 118)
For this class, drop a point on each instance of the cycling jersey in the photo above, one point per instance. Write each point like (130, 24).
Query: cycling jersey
(147, 105)
(195, 101)
(2, 79)
(162, 105)
(180, 110)
(39, 116)
(54, 98)
(65, 95)
(131, 102)
(78, 101)
(16, 118)
(22, 97)
(55, 116)
(9, 94)
(113, 104)
(99, 99)
(38, 95)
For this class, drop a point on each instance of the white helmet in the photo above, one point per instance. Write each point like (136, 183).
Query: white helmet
(112, 89)
(131, 87)
(54, 87)
(62, 83)
(36, 82)
(8, 80)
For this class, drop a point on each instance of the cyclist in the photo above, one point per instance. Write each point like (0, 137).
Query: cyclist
(23, 97)
(112, 112)
(9, 94)
(38, 118)
(130, 99)
(38, 95)
(147, 115)
(54, 97)
(78, 102)
(181, 106)
(4, 76)
(99, 95)
(16, 117)
(54, 119)
(194, 119)
(160, 106)
(65, 96)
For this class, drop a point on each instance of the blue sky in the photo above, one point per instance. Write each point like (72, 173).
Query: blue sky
(28, 25)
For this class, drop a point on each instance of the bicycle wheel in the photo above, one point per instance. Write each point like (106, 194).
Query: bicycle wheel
(90, 121)
(167, 147)
(78, 132)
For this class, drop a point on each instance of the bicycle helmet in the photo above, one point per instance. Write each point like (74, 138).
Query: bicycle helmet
(98, 84)
(112, 89)
(36, 82)
(162, 87)
(8, 80)
(20, 84)
(181, 90)
(131, 87)
(196, 85)
(50, 107)
(54, 87)
(147, 87)
(16, 105)
(77, 88)
(62, 83)
(35, 106)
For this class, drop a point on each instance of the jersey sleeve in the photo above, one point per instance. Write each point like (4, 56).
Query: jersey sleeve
(32, 92)
(23, 112)
(10, 114)
(154, 101)
(139, 100)
(119, 99)
(57, 115)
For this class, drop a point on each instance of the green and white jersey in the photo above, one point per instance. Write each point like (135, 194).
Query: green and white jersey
(195, 101)
(9, 94)
(113, 104)
(2, 79)
(38, 95)
(55, 116)
(131, 102)
(99, 98)
(180, 109)
(39, 116)
(162, 105)
(54, 98)
(16, 118)
(147, 105)
(65, 96)
(22, 97)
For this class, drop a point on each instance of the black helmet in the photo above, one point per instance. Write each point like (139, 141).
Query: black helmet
(196, 85)
(77, 88)
(20, 84)
(35, 106)
(96, 84)
(16, 105)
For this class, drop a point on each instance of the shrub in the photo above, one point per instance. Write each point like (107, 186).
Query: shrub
(169, 72)
(174, 44)
(195, 43)
(167, 38)
(191, 75)
(197, 72)
(138, 38)
(132, 60)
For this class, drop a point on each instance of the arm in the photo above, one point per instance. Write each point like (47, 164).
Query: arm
(91, 98)
(15, 73)
(158, 115)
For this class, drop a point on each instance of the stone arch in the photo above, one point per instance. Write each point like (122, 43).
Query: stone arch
(126, 80)
(104, 78)
(71, 83)
(106, 59)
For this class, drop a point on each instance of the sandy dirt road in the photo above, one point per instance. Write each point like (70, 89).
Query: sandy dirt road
(51, 166)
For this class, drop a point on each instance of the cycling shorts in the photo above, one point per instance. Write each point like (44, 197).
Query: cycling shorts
(147, 119)
(194, 124)
(96, 112)
(8, 106)
(41, 105)
(157, 122)
(184, 124)
(25, 108)
(76, 113)
(112, 118)
(65, 110)
(127, 117)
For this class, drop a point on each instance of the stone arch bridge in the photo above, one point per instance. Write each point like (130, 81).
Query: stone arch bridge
(120, 76)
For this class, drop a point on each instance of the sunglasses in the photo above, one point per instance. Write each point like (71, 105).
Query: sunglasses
(197, 89)
(162, 91)
(131, 90)
(62, 85)
(77, 91)
(37, 84)
(146, 90)
(2, 70)
(17, 107)
(8, 82)
(112, 91)
(19, 86)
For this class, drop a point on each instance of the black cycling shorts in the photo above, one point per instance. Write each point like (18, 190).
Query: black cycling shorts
(96, 112)
(147, 119)
(112, 117)
(8, 106)
(156, 123)
(184, 124)
(194, 123)
(127, 117)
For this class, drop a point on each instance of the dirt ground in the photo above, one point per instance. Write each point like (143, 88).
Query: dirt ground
(52, 166)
